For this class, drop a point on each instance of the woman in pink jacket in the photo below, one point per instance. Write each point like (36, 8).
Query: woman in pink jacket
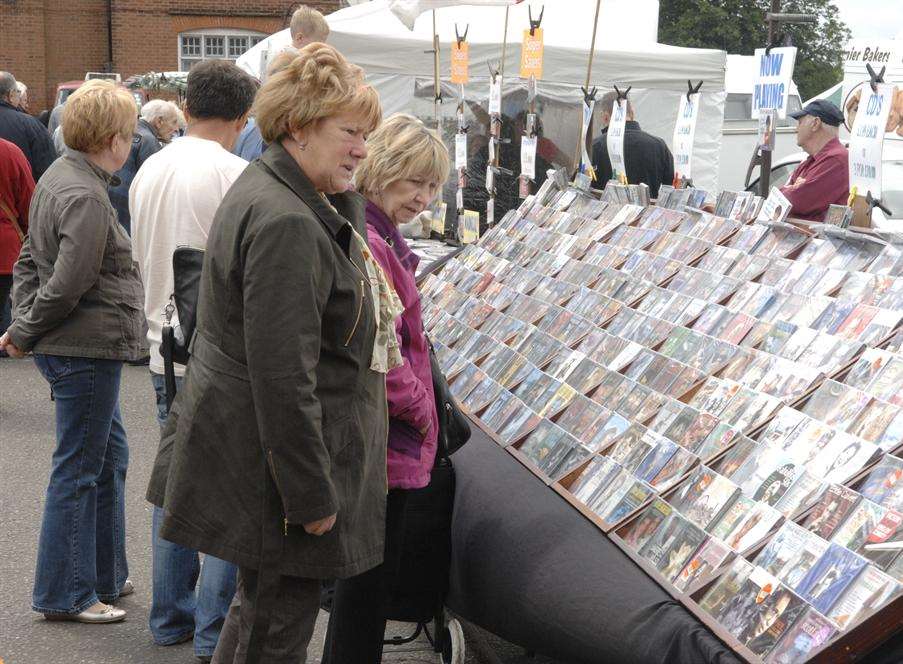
(404, 170)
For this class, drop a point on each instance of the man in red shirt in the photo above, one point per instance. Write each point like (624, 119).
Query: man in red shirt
(16, 187)
(823, 178)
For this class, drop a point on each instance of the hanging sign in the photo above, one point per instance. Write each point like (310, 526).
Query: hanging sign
(588, 108)
(528, 157)
(774, 71)
(460, 62)
(531, 54)
(767, 123)
(495, 95)
(867, 139)
(684, 133)
(460, 151)
(615, 140)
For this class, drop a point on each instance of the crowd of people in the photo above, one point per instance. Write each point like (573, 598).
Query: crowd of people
(306, 413)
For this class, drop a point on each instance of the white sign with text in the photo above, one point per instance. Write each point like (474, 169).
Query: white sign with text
(771, 87)
(867, 140)
(615, 139)
(684, 134)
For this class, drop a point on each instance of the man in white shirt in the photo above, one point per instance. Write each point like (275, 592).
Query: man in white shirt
(172, 201)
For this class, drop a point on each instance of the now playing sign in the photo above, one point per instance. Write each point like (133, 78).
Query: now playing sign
(774, 72)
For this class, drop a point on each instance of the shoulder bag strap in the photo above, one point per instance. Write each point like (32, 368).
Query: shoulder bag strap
(14, 219)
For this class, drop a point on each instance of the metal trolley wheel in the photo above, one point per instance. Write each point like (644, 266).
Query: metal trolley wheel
(452, 643)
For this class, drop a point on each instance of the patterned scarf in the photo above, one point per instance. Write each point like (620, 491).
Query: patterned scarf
(387, 307)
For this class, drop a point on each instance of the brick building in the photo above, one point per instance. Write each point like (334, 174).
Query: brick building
(45, 42)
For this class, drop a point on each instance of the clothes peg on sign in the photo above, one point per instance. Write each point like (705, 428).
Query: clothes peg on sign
(622, 95)
(590, 95)
(875, 79)
(459, 37)
(535, 24)
(876, 203)
(691, 90)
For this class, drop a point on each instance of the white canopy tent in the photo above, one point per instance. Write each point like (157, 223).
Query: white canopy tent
(400, 65)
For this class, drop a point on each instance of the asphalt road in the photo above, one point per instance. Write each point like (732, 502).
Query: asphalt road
(26, 445)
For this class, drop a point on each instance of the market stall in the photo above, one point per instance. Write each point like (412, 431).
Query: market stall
(714, 395)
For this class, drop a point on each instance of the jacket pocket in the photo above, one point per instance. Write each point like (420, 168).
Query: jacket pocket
(360, 311)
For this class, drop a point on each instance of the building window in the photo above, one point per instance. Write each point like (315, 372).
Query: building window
(214, 44)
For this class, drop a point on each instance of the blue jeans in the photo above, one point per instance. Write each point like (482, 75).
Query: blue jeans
(177, 611)
(81, 551)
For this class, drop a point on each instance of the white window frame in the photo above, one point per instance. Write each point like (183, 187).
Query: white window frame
(226, 33)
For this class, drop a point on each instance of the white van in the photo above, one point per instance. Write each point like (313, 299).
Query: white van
(740, 133)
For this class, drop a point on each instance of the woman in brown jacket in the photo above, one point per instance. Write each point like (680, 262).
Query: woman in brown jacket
(274, 455)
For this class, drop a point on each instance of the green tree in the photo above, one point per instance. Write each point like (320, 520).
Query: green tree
(738, 27)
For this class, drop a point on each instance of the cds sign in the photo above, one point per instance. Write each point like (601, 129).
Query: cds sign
(867, 140)
(774, 72)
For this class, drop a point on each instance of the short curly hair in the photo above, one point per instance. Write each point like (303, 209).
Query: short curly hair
(95, 113)
(403, 148)
(319, 83)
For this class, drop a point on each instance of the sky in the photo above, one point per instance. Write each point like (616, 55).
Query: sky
(872, 19)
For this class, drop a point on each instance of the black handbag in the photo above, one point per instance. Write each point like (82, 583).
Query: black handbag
(187, 264)
(454, 428)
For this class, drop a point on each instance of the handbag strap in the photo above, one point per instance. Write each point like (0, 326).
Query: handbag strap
(14, 219)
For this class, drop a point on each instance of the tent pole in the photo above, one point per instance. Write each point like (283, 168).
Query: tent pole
(589, 73)
(504, 44)
(436, 89)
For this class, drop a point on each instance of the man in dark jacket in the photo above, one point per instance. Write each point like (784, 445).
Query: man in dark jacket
(22, 129)
(159, 120)
(646, 157)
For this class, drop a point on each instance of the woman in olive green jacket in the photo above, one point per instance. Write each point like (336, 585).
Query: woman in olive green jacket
(274, 453)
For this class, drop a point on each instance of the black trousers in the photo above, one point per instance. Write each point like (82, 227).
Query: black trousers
(292, 621)
(6, 286)
(357, 621)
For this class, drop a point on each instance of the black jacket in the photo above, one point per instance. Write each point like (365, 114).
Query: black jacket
(280, 420)
(144, 144)
(646, 157)
(30, 135)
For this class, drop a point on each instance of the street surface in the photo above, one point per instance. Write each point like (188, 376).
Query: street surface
(26, 444)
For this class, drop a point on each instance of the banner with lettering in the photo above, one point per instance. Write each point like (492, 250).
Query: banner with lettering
(867, 139)
(684, 134)
(774, 71)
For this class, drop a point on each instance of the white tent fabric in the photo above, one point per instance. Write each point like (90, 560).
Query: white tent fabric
(397, 60)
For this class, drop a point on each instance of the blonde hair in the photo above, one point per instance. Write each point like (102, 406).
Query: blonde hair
(403, 148)
(95, 113)
(310, 23)
(317, 84)
(281, 60)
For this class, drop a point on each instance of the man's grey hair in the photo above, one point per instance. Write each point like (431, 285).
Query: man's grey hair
(159, 109)
(21, 87)
(607, 102)
(7, 85)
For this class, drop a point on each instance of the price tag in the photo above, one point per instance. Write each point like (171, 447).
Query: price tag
(490, 179)
(528, 157)
(684, 134)
(490, 214)
(867, 139)
(584, 130)
(460, 151)
(460, 61)
(459, 200)
(495, 96)
(531, 54)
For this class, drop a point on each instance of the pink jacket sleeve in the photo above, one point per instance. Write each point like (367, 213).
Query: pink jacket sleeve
(406, 394)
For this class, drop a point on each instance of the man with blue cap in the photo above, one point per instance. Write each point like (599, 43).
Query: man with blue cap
(823, 178)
